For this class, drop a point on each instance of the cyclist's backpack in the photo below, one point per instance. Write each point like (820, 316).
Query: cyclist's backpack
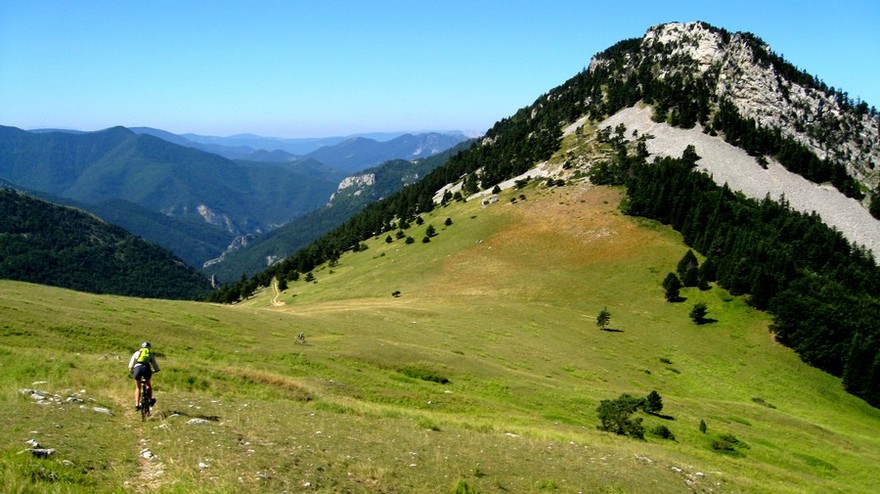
(144, 357)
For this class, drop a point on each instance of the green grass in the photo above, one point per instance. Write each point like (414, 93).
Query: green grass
(485, 372)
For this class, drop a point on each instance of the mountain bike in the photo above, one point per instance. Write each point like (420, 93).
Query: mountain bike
(147, 400)
(146, 396)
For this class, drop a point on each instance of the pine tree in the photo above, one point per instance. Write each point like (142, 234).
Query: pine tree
(653, 402)
(688, 269)
(672, 285)
(698, 312)
(603, 318)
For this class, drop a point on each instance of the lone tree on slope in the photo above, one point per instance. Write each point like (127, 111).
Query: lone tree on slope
(603, 318)
(653, 402)
(698, 312)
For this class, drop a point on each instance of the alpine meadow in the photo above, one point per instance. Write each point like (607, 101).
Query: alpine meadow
(654, 279)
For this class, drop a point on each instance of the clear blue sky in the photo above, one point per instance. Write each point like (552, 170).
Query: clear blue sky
(313, 68)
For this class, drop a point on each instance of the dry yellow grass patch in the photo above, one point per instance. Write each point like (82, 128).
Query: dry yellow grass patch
(294, 386)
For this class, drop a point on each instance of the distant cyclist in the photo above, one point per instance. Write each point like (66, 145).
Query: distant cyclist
(143, 364)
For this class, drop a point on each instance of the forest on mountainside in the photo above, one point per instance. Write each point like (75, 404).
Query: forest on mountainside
(823, 292)
(54, 245)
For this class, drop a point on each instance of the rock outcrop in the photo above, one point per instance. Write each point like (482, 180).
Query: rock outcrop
(742, 69)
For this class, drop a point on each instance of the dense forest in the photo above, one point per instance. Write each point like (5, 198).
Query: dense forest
(823, 292)
(53, 245)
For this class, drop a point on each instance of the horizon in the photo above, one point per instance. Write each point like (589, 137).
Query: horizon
(331, 69)
(377, 136)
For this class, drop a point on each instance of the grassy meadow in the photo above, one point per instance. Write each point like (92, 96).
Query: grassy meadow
(484, 373)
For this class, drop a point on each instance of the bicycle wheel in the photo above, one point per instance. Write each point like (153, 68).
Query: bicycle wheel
(145, 401)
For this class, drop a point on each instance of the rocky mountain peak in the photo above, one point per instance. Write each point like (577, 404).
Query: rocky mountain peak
(742, 69)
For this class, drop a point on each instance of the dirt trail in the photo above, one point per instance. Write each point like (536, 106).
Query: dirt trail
(276, 294)
(150, 474)
(150, 469)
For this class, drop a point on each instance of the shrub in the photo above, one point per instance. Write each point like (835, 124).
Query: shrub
(423, 374)
(663, 432)
(462, 487)
(729, 444)
(698, 312)
(653, 402)
(615, 416)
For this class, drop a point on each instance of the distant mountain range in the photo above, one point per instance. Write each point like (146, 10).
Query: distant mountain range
(197, 203)
(349, 153)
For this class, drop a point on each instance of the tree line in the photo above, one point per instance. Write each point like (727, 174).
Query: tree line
(823, 292)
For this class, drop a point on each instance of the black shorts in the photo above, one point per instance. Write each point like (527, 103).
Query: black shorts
(140, 370)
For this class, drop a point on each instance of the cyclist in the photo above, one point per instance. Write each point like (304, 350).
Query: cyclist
(143, 364)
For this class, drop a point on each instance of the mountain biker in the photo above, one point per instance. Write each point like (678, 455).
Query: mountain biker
(143, 364)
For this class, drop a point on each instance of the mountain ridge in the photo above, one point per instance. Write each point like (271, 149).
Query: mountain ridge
(766, 88)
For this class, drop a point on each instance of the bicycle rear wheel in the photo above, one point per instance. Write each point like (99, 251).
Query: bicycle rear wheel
(145, 401)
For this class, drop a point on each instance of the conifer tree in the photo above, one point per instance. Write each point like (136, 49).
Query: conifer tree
(653, 402)
(688, 269)
(698, 312)
(672, 285)
(603, 318)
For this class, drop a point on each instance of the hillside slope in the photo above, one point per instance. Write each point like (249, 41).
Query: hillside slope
(733, 166)
(485, 370)
(53, 245)
(692, 76)
(351, 196)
